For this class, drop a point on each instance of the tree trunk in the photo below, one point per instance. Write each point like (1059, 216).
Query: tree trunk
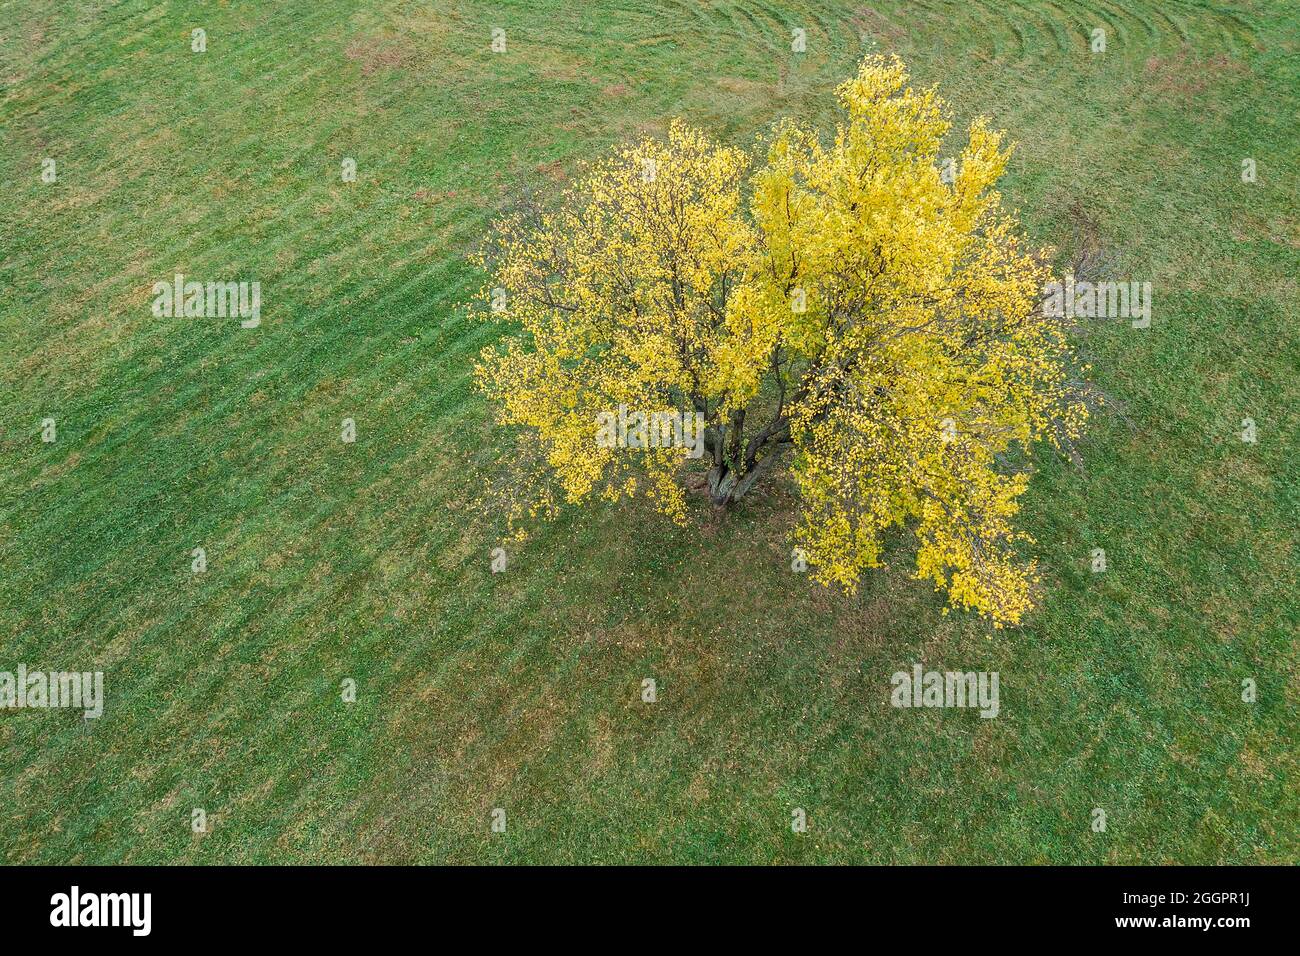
(722, 485)
(728, 483)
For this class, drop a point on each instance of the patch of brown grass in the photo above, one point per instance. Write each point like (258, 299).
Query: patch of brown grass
(374, 54)
(1184, 75)
(554, 170)
(740, 85)
(871, 23)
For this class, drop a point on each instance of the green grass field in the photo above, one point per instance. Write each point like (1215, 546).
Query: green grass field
(522, 690)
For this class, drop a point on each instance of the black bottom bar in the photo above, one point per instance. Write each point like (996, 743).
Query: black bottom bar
(334, 905)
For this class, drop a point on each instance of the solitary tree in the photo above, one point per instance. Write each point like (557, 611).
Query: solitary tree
(857, 311)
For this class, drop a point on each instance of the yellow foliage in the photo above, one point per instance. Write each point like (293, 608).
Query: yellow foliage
(842, 301)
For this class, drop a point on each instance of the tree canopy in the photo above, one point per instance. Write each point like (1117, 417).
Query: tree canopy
(854, 310)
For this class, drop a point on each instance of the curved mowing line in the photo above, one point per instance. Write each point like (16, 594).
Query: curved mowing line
(1054, 46)
(706, 14)
(974, 27)
(1175, 26)
(1064, 27)
(835, 44)
(1121, 37)
(770, 34)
